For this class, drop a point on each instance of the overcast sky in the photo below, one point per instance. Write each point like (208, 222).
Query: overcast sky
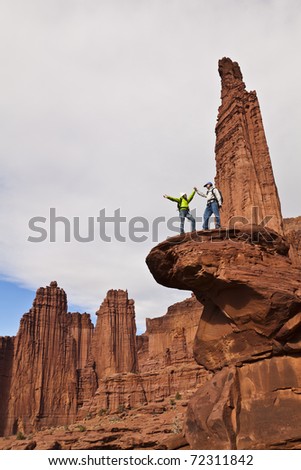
(111, 104)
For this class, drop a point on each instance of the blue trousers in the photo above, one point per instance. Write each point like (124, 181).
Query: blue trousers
(185, 213)
(211, 208)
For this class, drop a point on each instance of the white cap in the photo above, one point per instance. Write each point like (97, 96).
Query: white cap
(182, 194)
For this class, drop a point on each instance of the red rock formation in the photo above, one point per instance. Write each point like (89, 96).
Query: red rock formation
(6, 361)
(81, 330)
(173, 381)
(243, 166)
(239, 321)
(247, 337)
(168, 340)
(255, 406)
(114, 342)
(251, 323)
(248, 280)
(59, 368)
(114, 353)
(117, 392)
(48, 372)
(292, 230)
(153, 426)
(165, 356)
(165, 352)
(43, 389)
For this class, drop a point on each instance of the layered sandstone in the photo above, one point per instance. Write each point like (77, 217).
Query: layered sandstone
(253, 406)
(249, 331)
(6, 361)
(114, 342)
(165, 352)
(43, 385)
(127, 410)
(243, 319)
(150, 426)
(59, 368)
(168, 340)
(50, 351)
(237, 339)
(82, 329)
(248, 278)
(162, 356)
(243, 166)
(292, 231)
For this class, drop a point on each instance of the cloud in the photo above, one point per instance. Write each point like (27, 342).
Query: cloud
(110, 104)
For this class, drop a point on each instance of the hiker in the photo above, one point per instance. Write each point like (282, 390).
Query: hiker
(183, 208)
(214, 203)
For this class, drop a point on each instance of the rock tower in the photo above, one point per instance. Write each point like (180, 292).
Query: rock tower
(243, 166)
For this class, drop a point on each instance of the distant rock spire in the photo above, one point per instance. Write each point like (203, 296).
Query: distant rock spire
(49, 353)
(114, 342)
(243, 166)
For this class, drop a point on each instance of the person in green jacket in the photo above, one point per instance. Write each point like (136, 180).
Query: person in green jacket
(183, 207)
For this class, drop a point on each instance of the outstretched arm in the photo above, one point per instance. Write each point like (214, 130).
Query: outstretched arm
(191, 196)
(175, 199)
(199, 193)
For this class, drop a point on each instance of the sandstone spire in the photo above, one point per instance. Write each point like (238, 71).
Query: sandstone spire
(43, 388)
(243, 166)
(44, 373)
(6, 361)
(114, 341)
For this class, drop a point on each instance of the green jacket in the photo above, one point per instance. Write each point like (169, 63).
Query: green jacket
(182, 202)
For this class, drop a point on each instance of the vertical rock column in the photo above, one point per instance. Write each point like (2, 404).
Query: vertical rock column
(114, 341)
(82, 330)
(243, 167)
(43, 389)
(6, 360)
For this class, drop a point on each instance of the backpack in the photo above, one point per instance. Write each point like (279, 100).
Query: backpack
(179, 204)
(222, 199)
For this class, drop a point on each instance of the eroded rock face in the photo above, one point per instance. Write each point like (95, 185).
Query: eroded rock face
(248, 278)
(60, 369)
(292, 231)
(247, 309)
(255, 406)
(169, 339)
(6, 361)
(165, 352)
(165, 366)
(243, 166)
(156, 426)
(251, 322)
(114, 342)
(46, 369)
(43, 388)
(82, 330)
